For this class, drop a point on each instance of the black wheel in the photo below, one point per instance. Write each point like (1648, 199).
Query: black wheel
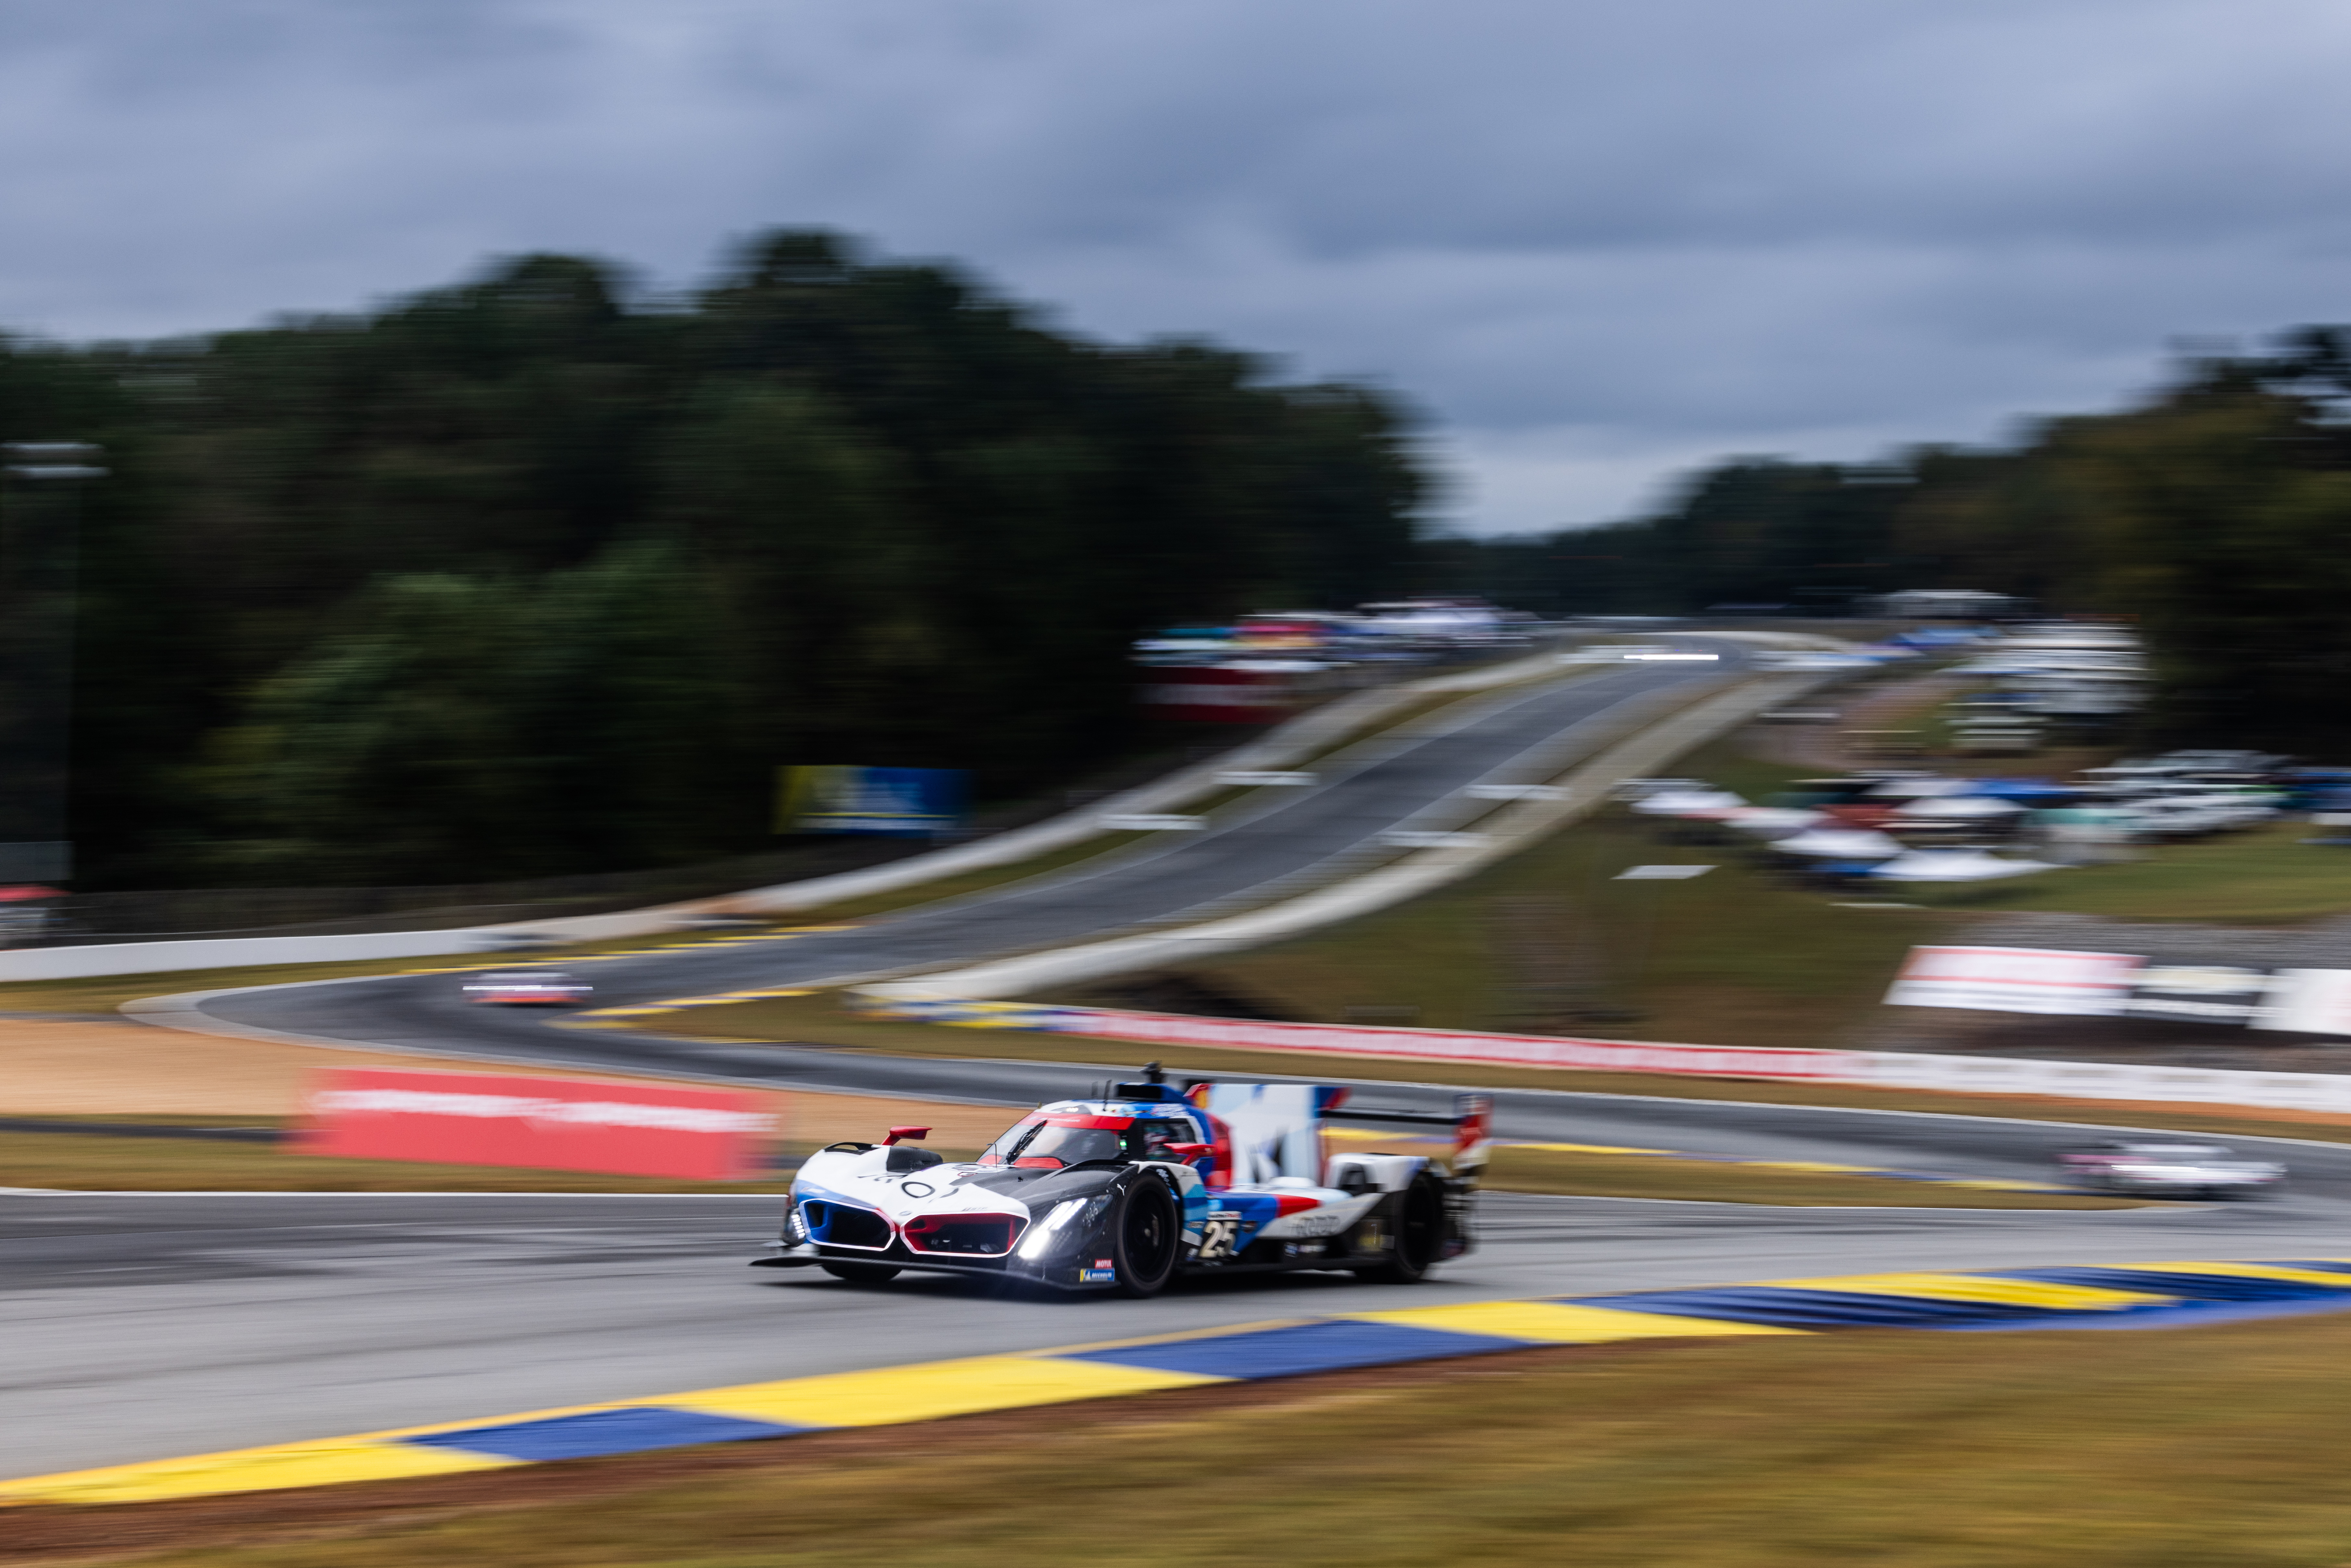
(861, 1274)
(1419, 1235)
(1145, 1236)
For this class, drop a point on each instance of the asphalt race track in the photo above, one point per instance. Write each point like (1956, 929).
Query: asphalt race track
(137, 1326)
(1384, 786)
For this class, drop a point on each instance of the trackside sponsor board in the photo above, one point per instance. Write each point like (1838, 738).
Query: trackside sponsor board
(549, 1124)
(2198, 993)
(1220, 694)
(2309, 1002)
(2015, 980)
(1440, 1045)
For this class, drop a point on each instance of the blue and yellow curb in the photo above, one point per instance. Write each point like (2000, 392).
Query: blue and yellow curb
(2103, 1296)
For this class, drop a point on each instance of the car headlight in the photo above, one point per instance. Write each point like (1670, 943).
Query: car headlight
(795, 1226)
(1039, 1239)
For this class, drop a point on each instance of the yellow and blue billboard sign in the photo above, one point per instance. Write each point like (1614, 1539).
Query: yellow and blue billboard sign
(924, 801)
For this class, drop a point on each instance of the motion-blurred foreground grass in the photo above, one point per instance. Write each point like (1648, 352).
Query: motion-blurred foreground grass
(2188, 1449)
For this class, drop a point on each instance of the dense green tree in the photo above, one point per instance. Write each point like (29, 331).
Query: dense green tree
(537, 573)
(2217, 514)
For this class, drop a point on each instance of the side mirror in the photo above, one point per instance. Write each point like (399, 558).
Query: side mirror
(1187, 1153)
(898, 1132)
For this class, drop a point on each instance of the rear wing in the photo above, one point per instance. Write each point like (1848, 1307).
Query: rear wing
(1473, 1130)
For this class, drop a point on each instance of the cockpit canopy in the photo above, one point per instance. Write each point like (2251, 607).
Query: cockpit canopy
(1055, 1137)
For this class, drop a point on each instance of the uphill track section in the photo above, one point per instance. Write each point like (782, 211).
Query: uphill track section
(1405, 783)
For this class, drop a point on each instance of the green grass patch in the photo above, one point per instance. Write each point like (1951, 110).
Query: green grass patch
(2263, 875)
(2186, 1449)
(1552, 936)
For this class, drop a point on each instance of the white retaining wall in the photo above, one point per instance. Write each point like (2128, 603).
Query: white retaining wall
(1866, 1068)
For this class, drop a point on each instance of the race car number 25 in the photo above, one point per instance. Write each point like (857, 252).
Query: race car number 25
(1218, 1233)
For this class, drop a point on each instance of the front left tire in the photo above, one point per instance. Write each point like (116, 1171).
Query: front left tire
(1146, 1235)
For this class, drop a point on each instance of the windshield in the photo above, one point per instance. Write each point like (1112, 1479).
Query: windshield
(1043, 1142)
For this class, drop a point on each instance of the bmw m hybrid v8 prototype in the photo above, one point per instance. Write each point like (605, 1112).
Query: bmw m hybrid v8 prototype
(1124, 1193)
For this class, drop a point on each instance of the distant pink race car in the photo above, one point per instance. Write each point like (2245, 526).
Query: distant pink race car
(528, 989)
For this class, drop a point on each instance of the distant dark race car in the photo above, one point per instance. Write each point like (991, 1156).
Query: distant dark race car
(1124, 1193)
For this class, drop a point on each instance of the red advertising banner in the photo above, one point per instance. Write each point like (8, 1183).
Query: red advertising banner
(1221, 694)
(550, 1124)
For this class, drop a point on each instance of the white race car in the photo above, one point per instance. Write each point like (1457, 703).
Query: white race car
(1123, 1193)
(528, 989)
(2154, 1167)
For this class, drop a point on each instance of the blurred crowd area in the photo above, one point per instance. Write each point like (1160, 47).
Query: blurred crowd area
(2008, 694)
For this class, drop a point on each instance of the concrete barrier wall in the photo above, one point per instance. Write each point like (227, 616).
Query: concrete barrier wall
(1864, 1069)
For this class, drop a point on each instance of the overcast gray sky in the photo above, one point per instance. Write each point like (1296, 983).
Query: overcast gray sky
(1595, 242)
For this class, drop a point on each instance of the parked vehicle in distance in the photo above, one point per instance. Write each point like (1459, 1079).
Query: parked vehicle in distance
(528, 989)
(2189, 816)
(2151, 1167)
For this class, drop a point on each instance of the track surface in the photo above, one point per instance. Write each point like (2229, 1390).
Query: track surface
(144, 1326)
(141, 1325)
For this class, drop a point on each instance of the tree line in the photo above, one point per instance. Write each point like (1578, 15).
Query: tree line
(2215, 514)
(534, 575)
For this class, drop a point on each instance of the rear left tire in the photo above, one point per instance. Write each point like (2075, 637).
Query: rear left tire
(1419, 1235)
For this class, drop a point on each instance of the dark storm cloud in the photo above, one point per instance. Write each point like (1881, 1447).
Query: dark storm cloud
(1594, 242)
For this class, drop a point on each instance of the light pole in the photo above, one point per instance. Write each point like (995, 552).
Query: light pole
(39, 559)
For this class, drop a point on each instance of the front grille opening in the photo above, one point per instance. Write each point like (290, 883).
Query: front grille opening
(975, 1235)
(839, 1225)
